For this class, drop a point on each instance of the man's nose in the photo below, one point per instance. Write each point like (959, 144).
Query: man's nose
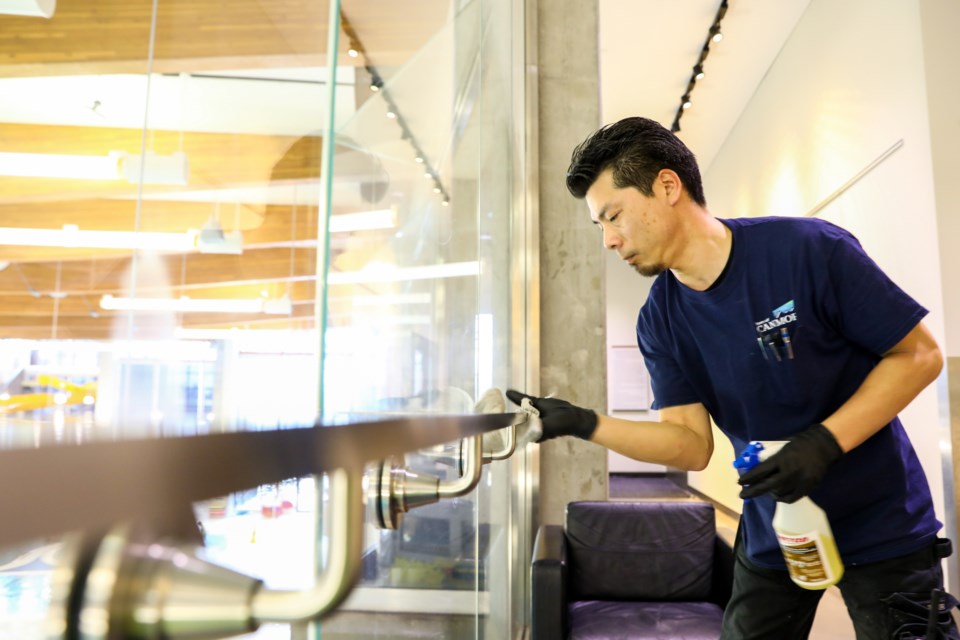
(611, 239)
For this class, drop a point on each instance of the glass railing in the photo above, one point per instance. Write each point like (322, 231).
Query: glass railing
(220, 220)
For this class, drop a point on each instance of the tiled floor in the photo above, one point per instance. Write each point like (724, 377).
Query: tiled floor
(832, 621)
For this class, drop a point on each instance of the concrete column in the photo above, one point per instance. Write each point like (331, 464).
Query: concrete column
(572, 307)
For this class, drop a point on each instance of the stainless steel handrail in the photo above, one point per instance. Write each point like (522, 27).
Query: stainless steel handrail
(509, 440)
(139, 580)
(100, 484)
(343, 560)
(471, 461)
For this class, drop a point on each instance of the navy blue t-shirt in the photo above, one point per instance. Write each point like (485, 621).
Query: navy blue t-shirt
(799, 318)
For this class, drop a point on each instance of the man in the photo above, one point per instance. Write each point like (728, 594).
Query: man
(778, 329)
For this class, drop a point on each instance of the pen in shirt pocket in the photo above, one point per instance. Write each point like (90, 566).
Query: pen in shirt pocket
(787, 342)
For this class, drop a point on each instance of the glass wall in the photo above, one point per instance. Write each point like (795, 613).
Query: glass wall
(428, 147)
(248, 215)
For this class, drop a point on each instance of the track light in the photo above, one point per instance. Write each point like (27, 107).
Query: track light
(393, 113)
(714, 35)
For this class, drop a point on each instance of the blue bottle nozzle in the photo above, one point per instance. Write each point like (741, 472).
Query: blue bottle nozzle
(750, 456)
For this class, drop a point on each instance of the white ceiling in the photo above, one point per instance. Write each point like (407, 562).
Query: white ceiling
(648, 49)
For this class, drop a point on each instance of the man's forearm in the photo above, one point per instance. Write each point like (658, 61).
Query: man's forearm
(666, 443)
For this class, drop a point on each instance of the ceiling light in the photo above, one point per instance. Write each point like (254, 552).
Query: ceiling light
(213, 239)
(117, 165)
(43, 165)
(353, 53)
(363, 221)
(70, 236)
(38, 8)
(713, 35)
(155, 169)
(185, 304)
(390, 299)
(380, 272)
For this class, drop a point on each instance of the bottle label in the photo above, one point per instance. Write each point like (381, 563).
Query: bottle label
(805, 558)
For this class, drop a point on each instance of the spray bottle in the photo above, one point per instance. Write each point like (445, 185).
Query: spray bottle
(802, 530)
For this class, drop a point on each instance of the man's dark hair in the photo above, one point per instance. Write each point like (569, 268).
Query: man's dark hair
(636, 149)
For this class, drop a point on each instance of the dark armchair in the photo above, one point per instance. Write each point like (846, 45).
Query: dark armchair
(631, 571)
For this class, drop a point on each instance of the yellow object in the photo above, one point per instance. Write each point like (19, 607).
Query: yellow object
(69, 393)
(805, 538)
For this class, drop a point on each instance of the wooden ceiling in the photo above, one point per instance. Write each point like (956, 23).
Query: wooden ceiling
(54, 292)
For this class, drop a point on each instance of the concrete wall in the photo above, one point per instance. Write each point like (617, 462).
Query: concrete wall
(572, 313)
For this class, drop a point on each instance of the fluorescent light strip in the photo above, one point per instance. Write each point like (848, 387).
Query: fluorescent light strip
(363, 221)
(205, 241)
(281, 306)
(72, 237)
(379, 272)
(395, 299)
(151, 167)
(51, 165)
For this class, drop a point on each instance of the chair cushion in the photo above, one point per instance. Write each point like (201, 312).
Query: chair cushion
(606, 620)
(640, 550)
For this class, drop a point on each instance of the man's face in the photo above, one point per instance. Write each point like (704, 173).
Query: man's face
(631, 223)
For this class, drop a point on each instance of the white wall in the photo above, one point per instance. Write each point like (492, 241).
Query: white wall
(626, 292)
(848, 84)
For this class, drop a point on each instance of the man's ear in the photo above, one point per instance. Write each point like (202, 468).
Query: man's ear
(671, 184)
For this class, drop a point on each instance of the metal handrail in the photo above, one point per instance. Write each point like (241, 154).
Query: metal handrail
(140, 581)
(343, 560)
(99, 484)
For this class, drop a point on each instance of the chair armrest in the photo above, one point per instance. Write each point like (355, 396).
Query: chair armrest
(549, 584)
(722, 581)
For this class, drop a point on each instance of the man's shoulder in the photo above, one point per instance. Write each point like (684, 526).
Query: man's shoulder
(777, 233)
(782, 224)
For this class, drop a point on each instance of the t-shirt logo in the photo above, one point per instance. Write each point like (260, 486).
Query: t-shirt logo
(786, 307)
(784, 314)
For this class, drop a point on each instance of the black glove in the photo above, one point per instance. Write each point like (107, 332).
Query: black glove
(559, 417)
(795, 470)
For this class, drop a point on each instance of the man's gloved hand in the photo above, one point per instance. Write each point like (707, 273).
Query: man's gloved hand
(559, 417)
(795, 470)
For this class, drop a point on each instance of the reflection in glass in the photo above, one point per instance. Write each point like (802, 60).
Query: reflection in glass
(162, 227)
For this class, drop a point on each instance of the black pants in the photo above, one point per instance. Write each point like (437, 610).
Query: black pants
(888, 600)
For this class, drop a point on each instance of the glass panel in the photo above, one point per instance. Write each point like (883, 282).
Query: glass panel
(419, 307)
(159, 191)
(162, 217)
